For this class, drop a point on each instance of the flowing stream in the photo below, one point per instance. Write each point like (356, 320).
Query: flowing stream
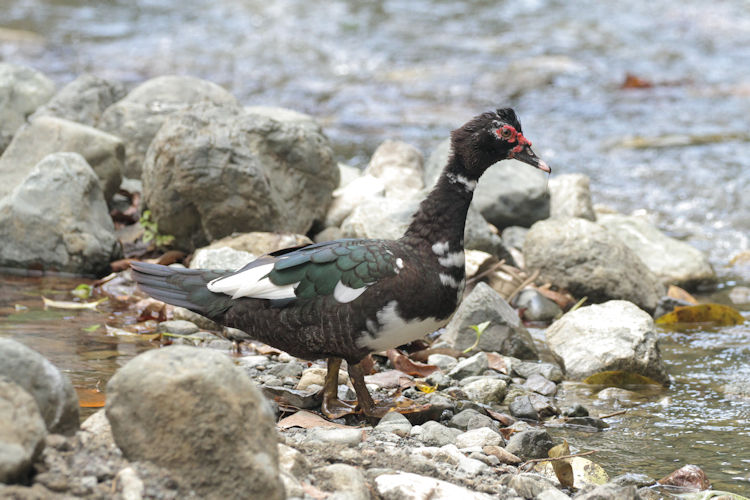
(674, 142)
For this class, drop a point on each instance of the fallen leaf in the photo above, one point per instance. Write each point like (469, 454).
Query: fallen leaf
(307, 420)
(618, 378)
(92, 328)
(404, 364)
(497, 362)
(741, 258)
(503, 418)
(62, 304)
(635, 82)
(563, 469)
(680, 294)
(170, 257)
(90, 398)
(426, 388)
(703, 313)
(560, 297)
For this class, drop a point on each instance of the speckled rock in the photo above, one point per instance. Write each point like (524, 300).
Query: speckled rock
(47, 135)
(505, 333)
(586, 259)
(50, 388)
(22, 90)
(138, 116)
(234, 454)
(21, 434)
(533, 443)
(212, 170)
(83, 100)
(570, 196)
(615, 335)
(57, 220)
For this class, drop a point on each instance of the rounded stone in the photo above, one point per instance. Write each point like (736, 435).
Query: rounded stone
(50, 388)
(200, 416)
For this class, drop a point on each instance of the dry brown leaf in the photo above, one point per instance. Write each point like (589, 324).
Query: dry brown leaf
(560, 297)
(497, 362)
(307, 420)
(635, 82)
(503, 418)
(563, 469)
(404, 364)
(680, 294)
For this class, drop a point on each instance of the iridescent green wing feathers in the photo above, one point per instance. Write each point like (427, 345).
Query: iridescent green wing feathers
(340, 268)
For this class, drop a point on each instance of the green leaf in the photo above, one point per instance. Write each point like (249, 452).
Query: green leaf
(479, 329)
(82, 291)
(92, 328)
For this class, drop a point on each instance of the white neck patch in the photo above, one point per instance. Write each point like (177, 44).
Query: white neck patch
(469, 185)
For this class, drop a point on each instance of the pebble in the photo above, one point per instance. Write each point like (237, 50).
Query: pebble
(549, 371)
(486, 390)
(450, 453)
(433, 433)
(442, 361)
(532, 443)
(529, 485)
(481, 437)
(396, 423)
(577, 410)
(325, 436)
(343, 478)
(408, 486)
(503, 455)
(178, 327)
(475, 365)
(540, 384)
(521, 407)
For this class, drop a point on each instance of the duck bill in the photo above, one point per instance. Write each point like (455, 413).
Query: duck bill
(526, 155)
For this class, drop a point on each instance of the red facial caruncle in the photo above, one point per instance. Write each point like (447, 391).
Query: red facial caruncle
(509, 134)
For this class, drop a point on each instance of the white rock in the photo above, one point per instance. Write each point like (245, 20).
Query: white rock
(570, 196)
(615, 335)
(486, 390)
(220, 258)
(408, 486)
(482, 436)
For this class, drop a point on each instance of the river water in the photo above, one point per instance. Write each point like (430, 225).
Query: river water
(413, 70)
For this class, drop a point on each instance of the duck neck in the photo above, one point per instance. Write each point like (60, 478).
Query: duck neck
(440, 220)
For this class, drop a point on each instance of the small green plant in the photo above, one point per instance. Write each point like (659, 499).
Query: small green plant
(151, 231)
(479, 329)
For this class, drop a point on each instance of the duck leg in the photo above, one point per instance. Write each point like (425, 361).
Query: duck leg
(332, 407)
(377, 410)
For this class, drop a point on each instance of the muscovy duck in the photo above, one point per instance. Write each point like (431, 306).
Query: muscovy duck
(347, 298)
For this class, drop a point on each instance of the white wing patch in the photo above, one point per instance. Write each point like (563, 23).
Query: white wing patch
(344, 294)
(252, 283)
(452, 259)
(392, 330)
(440, 248)
(448, 280)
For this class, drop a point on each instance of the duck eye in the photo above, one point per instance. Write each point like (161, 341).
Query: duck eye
(505, 133)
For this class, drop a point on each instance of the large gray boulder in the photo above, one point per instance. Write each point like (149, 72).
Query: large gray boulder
(510, 193)
(505, 333)
(22, 90)
(215, 170)
(570, 196)
(138, 117)
(586, 259)
(47, 135)
(674, 262)
(21, 434)
(50, 388)
(56, 219)
(83, 100)
(615, 335)
(200, 416)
